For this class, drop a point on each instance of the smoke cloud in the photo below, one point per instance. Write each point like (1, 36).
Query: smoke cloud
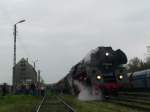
(88, 93)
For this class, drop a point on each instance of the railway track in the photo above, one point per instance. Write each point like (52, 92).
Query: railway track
(135, 100)
(53, 103)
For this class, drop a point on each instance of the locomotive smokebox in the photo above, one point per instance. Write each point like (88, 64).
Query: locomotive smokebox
(104, 55)
(105, 58)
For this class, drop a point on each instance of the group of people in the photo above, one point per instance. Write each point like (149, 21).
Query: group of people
(37, 89)
(32, 89)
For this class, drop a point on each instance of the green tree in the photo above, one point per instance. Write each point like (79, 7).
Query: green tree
(136, 64)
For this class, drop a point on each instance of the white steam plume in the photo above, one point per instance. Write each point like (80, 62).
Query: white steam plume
(88, 93)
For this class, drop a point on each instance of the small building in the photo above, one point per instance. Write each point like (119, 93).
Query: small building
(24, 73)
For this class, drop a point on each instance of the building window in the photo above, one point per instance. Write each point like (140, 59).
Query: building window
(22, 64)
(23, 75)
(23, 69)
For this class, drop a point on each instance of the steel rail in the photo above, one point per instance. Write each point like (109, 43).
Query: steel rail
(67, 105)
(39, 107)
(69, 108)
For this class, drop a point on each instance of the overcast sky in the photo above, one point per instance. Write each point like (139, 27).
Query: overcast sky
(59, 33)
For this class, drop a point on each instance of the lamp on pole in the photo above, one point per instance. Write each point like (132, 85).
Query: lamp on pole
(15, 34)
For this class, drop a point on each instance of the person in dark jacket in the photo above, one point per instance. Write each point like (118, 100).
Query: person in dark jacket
(33, 89)
(4, 89)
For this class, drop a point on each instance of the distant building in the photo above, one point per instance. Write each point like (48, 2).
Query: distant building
(25, 73)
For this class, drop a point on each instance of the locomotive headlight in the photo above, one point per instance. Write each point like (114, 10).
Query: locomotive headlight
(107, 54)
(120, 77)
(98, 77)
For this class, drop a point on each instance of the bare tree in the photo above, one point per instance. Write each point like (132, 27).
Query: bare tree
(136, 64)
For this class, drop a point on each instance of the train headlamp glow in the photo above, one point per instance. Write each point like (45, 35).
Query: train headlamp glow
(98, 77)
(120, 76)
(107, 54)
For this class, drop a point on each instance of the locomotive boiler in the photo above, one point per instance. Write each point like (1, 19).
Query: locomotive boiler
(98, 74)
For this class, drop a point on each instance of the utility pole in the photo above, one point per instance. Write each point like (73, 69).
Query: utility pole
(14, 59)
(34, 63)
(39, 76)
(148, 54)
(15, 33)
(148, 50)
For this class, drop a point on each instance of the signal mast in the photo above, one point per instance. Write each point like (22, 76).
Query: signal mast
(148, 54)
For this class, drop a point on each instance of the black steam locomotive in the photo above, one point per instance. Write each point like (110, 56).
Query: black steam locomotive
(101, 70)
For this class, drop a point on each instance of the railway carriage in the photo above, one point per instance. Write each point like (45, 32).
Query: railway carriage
(140, 79)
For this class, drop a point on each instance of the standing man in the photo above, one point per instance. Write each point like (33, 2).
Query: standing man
(4, 89)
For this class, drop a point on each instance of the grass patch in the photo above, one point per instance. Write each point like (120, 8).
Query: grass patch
(96, 106)
(18, 103)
